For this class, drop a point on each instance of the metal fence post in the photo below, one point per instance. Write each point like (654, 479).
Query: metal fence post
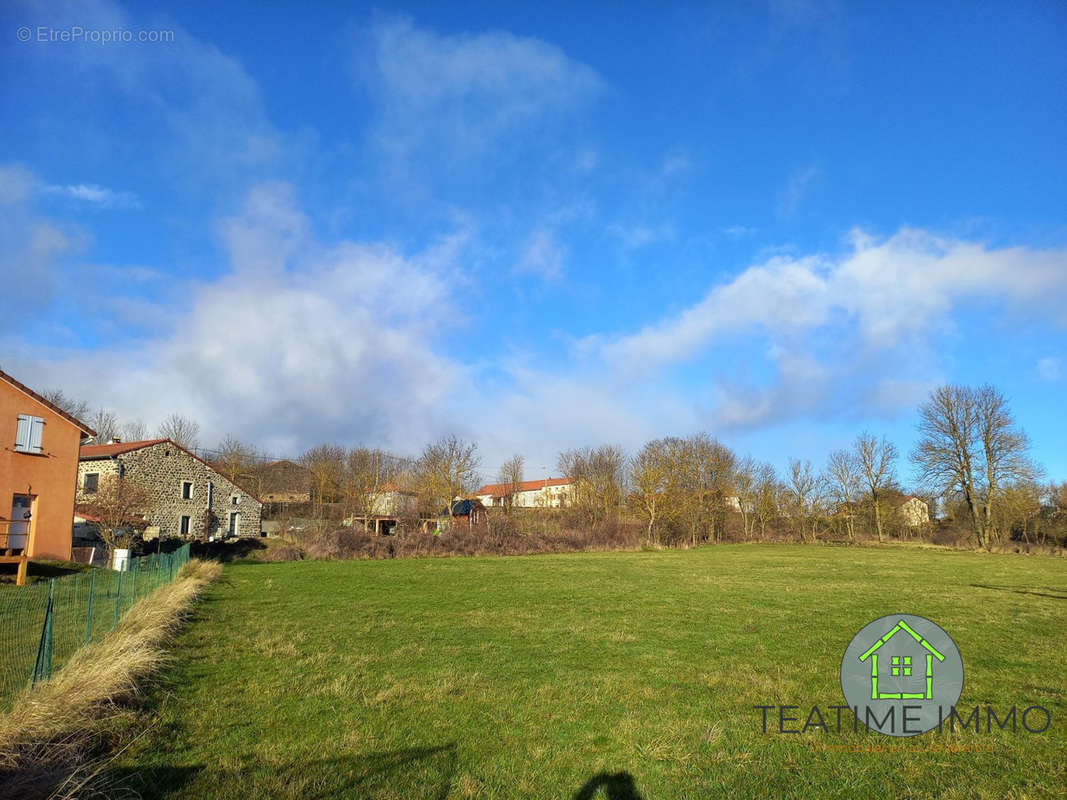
(89, 606)
(118, 601)
(42, 666)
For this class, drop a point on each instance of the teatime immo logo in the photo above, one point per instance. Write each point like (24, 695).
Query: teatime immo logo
(902, 675)
(904, 671)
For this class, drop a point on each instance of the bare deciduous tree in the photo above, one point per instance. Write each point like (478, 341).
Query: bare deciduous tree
(106, 425)
(807, 494)
(969, 444)
(183, 431)
(599, 476)
(701, 479)
(511, 476)
(120, 506)
(767, 491)
(746, 473)
(325, 462)
(133, 431)
(446, 470)
(843, 477)
(875, 459)
(367, 472)
(234, 459)
(650, 476)
(1004, 452)
(78, 409)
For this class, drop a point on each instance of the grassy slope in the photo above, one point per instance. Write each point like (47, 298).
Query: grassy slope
(526, 677)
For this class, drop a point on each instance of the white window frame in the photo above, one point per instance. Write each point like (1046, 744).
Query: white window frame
(185, 521)
(85, 482)
(191, 486)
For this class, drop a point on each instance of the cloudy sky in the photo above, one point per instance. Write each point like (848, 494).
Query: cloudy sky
(781, 223)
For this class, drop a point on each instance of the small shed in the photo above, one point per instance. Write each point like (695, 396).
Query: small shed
(469, 510)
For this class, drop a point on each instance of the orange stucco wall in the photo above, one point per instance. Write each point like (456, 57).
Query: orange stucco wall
(49, 477)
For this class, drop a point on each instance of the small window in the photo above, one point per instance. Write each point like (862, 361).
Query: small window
(92, 480)
(187, 490)
(234, 500)
(28, 434)
(184, 528)
(210, 493)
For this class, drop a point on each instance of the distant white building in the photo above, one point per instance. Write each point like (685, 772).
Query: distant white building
(914, 511)
(392, 501)
(387, 506)
(544, 493)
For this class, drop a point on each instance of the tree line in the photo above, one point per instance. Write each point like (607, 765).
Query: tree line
(971, 463)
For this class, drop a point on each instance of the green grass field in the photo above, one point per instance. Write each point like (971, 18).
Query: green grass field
(532, 676)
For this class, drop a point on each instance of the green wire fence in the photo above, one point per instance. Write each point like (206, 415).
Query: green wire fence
(44, 623)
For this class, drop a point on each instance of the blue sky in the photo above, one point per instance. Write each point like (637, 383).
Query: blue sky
(782, 223)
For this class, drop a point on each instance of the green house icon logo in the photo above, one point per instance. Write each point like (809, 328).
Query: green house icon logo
(901, 666)
(901, 675)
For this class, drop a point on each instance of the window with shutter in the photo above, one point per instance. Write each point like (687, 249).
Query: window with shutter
(28, 434)
(36, 434)
(22, 433)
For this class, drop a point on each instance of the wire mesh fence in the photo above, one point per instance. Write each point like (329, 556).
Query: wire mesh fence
(44, 623)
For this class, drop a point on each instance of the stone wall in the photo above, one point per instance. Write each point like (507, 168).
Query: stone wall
(162, 469)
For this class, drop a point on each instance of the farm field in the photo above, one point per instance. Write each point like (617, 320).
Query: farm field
(608, 675)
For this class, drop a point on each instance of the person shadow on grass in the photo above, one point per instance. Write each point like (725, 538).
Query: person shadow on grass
(616, 786)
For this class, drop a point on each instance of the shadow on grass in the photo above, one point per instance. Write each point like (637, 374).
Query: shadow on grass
(616, 786)
(1061, 596)
(415, 773)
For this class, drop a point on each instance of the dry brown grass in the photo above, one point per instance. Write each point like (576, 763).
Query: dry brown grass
(48, 738)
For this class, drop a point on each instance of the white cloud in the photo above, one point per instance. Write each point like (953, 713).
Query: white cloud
(890, 289)
(95, 195)
(16, 183)
(542, 256)
(462, 92)
(674, 163)
(1050, 369)
(268, 232)
(856, 331)
(797, 188)
(634, 237)
(210, 110)
(587, 160)
(782, 293)
(337, 343)
(32, 249)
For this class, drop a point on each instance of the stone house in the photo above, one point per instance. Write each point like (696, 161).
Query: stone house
(544, 493)
(182, 487)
